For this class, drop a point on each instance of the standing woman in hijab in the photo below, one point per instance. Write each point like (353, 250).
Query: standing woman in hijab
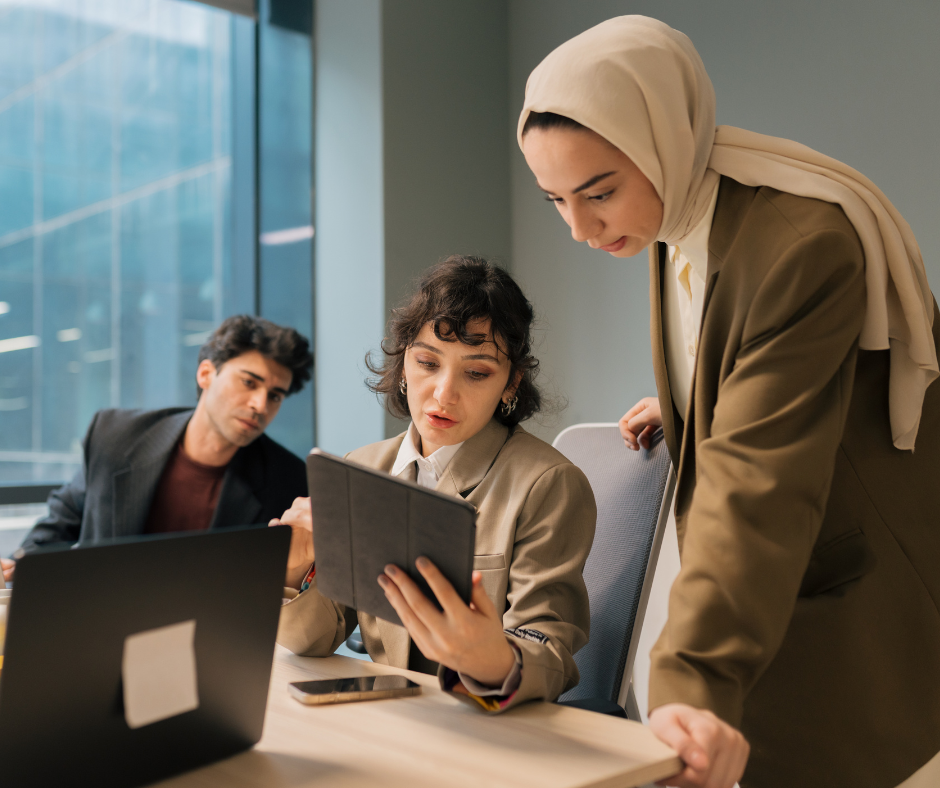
(794, 344)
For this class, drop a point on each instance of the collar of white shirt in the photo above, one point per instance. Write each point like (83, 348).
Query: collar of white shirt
(431, 468)
(694, 246)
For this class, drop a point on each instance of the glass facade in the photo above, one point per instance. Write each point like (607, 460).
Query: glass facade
(127, 158)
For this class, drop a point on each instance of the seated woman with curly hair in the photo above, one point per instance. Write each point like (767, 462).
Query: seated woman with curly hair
(457, 362)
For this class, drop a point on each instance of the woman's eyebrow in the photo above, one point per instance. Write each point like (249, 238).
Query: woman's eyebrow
(472, 357)
(586, 185)
(481, 357)
(589, 183)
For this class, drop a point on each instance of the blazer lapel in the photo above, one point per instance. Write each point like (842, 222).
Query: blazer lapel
(730, 210)
(688, 433)
(671, 417)
(135, 483)
(474, 459)
(238, 504)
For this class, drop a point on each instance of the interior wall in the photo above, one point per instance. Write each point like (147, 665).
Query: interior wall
(446, 161)
(855, 79)
(348, 218)
(412, 165)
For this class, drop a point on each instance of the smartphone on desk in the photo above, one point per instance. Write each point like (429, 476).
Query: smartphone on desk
(347, 690)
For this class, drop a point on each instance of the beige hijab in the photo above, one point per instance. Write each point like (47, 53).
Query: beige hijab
(642, 86)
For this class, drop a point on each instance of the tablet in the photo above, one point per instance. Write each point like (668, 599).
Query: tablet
(364, 519)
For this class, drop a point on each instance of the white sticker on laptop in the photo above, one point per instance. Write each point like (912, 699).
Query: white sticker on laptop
(159, 672)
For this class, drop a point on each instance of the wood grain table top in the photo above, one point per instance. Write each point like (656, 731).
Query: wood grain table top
(431, 740)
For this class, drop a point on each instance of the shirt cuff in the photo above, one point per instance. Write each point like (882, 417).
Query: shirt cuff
(490, 698)
(510, 683)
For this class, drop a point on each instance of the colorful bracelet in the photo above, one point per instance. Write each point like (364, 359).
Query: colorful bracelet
(308, 579)
(452, 683)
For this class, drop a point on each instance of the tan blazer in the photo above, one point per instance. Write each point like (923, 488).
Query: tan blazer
(806, 608)
(535, 526)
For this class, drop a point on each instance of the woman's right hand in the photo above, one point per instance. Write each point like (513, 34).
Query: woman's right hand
(714, 753)
(640, 422)
(7, 565)
(301, 554)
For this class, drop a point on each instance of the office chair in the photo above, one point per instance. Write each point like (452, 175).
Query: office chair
(634, 492)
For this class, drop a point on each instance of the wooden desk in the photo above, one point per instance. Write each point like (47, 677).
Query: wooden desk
(432, 740)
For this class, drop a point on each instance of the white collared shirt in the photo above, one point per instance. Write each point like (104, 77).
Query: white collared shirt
(430, 468)
(683, 301)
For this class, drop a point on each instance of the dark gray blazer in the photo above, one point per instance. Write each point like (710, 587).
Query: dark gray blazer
(125, 452)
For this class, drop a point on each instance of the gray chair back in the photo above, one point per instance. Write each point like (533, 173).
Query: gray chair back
(633, 492)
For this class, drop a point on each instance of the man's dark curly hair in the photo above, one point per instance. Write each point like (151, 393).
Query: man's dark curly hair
(451, 295)
(242, 333)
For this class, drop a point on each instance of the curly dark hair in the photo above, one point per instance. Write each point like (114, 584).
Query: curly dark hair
(242, 333)
(549, 120)
(452, 294)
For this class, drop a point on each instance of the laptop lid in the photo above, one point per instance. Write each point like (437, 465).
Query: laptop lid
(63, 719)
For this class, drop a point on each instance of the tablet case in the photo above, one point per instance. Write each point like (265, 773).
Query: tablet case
(364, 519)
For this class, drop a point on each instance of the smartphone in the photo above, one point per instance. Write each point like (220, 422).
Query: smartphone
(347, 690)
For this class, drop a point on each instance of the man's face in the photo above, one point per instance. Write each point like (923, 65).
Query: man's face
(242, 397)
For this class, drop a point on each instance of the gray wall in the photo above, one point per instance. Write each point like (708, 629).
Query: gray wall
(412, 165)
(446, 111)
(348, 218)
(855, 80)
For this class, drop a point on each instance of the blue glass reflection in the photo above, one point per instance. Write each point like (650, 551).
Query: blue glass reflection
(115, 210)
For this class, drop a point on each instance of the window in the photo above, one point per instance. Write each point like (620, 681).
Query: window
(127, 213)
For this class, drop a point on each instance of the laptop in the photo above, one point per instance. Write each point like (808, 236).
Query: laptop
(82, 625)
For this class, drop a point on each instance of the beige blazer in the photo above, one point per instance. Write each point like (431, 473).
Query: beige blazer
(535, 526)
(806, 608)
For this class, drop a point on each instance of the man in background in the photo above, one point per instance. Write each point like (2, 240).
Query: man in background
(184, 469)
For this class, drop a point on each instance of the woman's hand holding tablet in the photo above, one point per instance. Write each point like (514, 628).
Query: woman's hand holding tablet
(302, 555)
(466, 638)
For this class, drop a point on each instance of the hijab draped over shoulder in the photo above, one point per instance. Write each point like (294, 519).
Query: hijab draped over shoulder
(642, 86)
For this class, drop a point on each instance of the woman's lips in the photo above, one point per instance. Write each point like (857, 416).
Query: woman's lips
(441, 422)
(616, 246)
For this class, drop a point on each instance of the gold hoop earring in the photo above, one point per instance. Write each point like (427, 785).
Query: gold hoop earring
(403, 386)
(509, 407)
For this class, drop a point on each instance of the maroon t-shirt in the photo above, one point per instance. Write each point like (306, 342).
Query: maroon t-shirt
(186, 496)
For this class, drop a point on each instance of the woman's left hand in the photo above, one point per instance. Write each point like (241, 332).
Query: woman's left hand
(468, 639)
(301, 554)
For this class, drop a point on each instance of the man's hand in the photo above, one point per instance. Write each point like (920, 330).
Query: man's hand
(7, 565)
(301, 554)
(640, 422)
(715, 754)
(468, 639)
